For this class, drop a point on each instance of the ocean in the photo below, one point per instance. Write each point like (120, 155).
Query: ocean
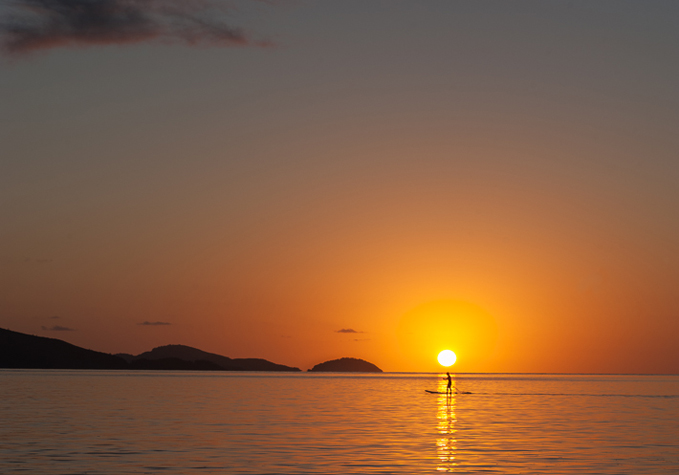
(145, 422)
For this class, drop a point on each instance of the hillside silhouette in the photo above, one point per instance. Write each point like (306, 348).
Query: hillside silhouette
(20, 350)
(346, 365)
(187, 353)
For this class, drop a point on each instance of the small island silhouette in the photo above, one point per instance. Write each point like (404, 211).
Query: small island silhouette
(23, 351)
(346, 365)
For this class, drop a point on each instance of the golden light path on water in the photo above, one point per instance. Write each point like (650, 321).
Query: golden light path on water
(446, 443)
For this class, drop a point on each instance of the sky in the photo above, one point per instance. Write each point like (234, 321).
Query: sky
(302, 181)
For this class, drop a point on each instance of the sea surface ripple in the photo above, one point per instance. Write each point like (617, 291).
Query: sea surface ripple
(145, 422)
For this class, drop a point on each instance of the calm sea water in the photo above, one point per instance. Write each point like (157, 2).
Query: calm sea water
(90, 422)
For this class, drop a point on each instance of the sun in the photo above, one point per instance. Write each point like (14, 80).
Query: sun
(447, 358)
(460, 326)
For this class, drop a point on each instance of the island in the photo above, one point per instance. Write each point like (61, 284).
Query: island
(163, 355)
(23, 351)
(346, 365)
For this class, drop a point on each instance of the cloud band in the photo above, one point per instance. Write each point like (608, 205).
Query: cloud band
(31, 25)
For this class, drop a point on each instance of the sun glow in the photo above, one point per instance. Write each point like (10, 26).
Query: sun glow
(446, 324)
(447, 358)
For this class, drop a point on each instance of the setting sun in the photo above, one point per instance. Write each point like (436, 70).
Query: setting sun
(447, 358)
(445, 324)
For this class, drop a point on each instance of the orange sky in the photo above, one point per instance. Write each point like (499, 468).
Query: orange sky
(374, 158)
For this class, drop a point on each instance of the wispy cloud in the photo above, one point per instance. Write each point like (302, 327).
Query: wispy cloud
(24, 260)
(154, 324)
(347, 330)
(31, 25)
(57, 328)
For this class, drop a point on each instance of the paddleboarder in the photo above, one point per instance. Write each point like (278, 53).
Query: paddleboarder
(449, 389)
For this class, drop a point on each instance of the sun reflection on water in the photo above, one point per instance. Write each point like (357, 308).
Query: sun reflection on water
(446, 442)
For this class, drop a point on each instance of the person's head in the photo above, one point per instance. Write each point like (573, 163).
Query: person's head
(448, 373)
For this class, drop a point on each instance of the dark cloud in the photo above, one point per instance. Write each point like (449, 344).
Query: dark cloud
(154, 324)
(347, 330)
(58, 328)
(31, 25)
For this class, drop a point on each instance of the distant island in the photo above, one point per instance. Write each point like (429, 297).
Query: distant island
(23, 351)
(346, 365)
(163, 355)
(20, 350)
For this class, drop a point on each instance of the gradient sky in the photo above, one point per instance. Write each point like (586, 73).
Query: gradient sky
(301, 168)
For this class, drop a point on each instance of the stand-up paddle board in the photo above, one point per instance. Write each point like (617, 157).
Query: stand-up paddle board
(444, 392)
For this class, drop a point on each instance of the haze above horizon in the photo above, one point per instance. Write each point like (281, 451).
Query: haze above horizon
(384, 180)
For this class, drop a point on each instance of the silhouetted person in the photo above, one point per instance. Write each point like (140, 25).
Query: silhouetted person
(449, 389)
